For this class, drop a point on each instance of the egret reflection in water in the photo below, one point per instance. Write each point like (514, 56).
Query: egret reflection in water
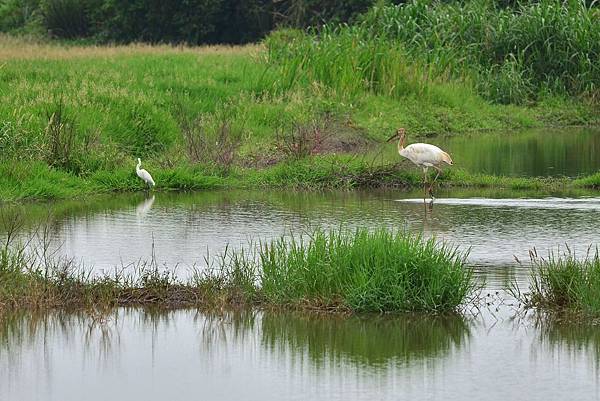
(144, 206)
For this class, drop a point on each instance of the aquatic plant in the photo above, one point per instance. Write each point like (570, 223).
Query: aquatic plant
(367, 271)
(564, 282)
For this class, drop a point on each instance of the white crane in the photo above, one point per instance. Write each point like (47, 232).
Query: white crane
(423, 155)
(143, 174)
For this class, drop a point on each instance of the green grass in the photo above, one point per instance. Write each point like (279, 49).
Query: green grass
(365, 271)
(591, 181)
(48, 283)
(512, 54)
(340, 270)
(565, 283)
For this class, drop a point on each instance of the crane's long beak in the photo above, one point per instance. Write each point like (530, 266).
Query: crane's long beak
(392, 137)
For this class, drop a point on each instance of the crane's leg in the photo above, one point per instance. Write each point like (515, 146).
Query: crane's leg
(433, 182)
(424, 183)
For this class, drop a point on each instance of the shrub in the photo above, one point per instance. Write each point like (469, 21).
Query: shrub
(17, 15)
(188, 21)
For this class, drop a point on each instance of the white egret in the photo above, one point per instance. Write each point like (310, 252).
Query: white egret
(423, 155)
(143, 174)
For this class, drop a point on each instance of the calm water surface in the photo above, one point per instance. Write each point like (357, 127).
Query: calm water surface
(183, 229)
(183, 355)
(539, 152)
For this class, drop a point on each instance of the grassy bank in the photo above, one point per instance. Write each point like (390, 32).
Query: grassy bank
(340, 270)
(562, 283)
(73, 119)
(35, 180)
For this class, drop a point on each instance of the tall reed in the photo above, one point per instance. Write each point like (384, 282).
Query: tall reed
(544, 45)
(509, 55)
(343, 59)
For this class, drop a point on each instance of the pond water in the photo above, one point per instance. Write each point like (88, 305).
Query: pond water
(185, 355)
(538, 152)
(181, 230)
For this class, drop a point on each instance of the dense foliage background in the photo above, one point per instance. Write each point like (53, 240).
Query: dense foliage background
(185, 21)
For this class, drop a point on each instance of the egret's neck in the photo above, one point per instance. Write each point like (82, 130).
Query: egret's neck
(137, 168)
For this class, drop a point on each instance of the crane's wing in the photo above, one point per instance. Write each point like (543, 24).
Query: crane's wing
(427, 153)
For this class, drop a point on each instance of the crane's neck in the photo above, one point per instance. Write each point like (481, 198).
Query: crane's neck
(401, 144)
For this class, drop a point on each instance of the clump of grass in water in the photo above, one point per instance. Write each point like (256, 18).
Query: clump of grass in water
(365, 271)
(562, 282)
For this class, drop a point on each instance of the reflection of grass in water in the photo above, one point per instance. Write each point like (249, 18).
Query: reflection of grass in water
(98, 330)
(19, 328)
(577, 338)
(526, 153)
(370, 340)
(222, 327)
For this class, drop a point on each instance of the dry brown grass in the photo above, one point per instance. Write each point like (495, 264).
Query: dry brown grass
(23, 48)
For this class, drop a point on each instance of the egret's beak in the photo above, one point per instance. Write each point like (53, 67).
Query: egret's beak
(392, 137)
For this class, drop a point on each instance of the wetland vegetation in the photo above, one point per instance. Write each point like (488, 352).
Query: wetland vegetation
(563, 282)
(303, 108)
(305, 294)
